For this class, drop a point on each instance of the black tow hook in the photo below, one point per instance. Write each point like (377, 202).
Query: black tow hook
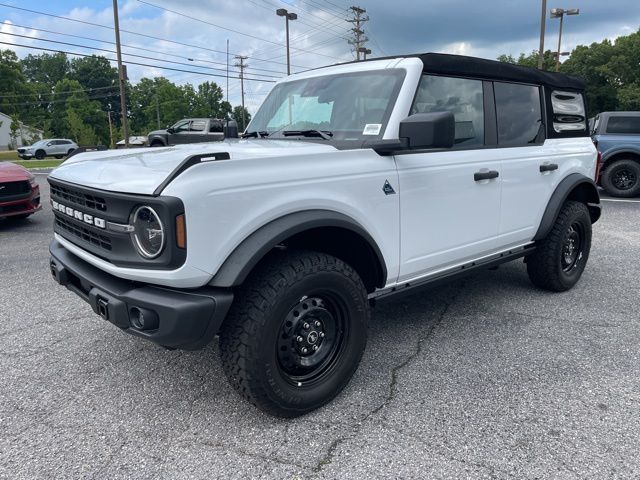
(103, 307)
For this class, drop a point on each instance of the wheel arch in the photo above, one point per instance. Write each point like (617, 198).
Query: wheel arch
(322, 230)
(618, 153)
(574, 187)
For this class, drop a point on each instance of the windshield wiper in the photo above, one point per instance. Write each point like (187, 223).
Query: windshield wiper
(324, 134)
(260, 134)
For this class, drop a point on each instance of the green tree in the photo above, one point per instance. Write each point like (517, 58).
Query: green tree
(237, 116)
(15, 93)
(531, 60)
(76, 116)
(96, 75)
(45, 68)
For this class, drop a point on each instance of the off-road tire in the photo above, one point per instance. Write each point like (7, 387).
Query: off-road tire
(547, 266)
(40, 154)
(252, 335)
(632, 169)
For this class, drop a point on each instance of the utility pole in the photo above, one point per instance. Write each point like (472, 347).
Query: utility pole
(365, 51)
(227, 92)
(111, 145)
(241, 65)
(543, 21)
(359, 18)
(158, 112)
(122, 77)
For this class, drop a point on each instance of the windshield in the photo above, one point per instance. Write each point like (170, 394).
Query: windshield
(40, 143)
(350, 106)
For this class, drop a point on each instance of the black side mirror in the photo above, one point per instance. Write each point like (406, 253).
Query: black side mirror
(170, 130)
(429, 130)
(419, 131)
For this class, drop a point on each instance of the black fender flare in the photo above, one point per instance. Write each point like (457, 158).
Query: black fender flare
(246, 256)
(617, 150)
(575, 184)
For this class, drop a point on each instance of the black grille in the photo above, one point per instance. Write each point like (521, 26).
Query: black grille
(14, 188)
(79, 198)
(84, 233)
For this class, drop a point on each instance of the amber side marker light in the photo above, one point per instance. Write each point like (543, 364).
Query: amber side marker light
(181, 232)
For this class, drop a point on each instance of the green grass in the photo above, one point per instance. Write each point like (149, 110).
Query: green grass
(11, 156)
(38, 163)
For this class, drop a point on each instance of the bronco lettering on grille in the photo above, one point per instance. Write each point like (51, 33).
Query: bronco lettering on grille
(78, 215)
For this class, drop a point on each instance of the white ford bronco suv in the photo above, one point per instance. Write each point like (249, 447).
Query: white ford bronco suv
(353, 183)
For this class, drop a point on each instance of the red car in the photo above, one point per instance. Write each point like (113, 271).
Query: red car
(19, 192)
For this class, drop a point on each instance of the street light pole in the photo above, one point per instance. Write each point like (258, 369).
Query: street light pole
(560, 13)
(282, 12)
(121, 75)
(543, 21)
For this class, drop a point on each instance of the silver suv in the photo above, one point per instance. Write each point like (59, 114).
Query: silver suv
(55, 147)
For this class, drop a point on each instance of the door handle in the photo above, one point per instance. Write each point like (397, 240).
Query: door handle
(485, 175)
(548, 167)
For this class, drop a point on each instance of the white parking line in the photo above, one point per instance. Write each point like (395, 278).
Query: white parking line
(619, 200)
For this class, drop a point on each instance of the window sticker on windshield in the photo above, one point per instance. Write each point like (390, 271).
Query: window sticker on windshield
(372, 129)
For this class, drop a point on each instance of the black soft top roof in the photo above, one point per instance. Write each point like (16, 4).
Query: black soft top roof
(483, 68)
(460, 65)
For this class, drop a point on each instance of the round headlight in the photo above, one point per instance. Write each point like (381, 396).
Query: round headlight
(148, 234)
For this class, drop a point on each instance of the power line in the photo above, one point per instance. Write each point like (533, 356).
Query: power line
(134, 63)
(201, 47)
(38, 94)
(127, 54)
(128, 46)
(228, 29)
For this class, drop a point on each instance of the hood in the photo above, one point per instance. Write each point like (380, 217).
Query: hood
(157, 132)
(142, 170)
(10, 172)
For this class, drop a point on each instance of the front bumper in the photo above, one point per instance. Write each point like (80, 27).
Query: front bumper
(21, 206)
(185, 319)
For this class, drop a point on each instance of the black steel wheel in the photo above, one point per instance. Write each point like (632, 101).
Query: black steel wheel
(559, 259)
(622, 178)
(295, 333)
(312, 338)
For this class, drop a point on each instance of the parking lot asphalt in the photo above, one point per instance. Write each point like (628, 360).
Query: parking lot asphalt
(484, 378)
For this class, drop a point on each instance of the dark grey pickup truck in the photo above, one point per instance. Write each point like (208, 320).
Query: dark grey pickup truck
(193, 130)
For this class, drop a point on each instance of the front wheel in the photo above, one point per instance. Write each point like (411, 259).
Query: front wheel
(40, 155)
(559, 260)
(296, 333)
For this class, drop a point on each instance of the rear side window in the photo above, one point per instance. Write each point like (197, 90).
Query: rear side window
(216, 127)
(519, 114)
(621, 124)
(463, 97)
(198, 126)
(568, 112)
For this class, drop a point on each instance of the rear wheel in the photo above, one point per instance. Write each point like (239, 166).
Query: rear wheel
(622, 178)
(71, 150)
(296, 333)
(40, 154)
(559, 260)
(59, 156)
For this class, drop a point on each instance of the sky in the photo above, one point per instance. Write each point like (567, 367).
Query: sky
(193, 37)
